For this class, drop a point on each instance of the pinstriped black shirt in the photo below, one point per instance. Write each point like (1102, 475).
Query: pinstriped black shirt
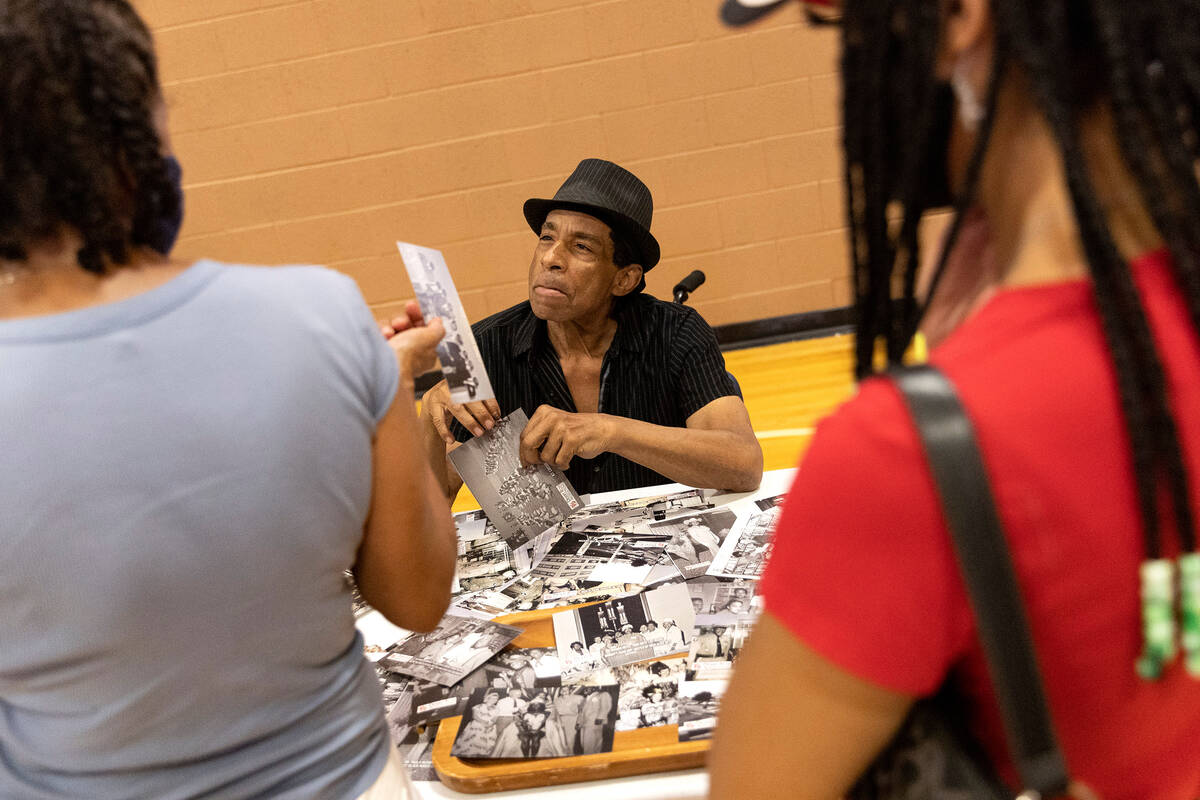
(663, 366)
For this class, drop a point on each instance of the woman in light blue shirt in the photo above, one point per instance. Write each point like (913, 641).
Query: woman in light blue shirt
(193, 454)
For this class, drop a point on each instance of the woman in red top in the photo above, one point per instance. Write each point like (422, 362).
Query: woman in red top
(1071, 135)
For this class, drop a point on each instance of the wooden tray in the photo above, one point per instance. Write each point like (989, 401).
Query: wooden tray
(634, 752)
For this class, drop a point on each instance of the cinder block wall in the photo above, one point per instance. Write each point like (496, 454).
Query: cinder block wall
(320, 131)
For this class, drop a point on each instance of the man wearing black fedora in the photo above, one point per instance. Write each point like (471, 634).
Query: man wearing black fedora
(621, 389)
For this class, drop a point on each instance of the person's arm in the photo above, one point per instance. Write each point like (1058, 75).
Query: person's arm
(719, 449)
(405, 563)
(794, 724)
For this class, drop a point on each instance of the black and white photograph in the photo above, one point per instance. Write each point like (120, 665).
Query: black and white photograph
(472, 525)
(648, 625)
(416, 752)
(745, 550)
(529, 668)
(538, 723)
(602, 556)
(636, 515)
(483, 563)
(458, 352)
(378, 633)
(699, 702)
(445, 655)
(648, 693)
(520, 501)
(696, 539)
(716, 599)
(714, 649)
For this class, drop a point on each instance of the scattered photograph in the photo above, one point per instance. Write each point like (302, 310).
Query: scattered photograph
(647, 694)
(696, 539)
(602, 556)
(458, 353)
(484, 563)
(635, 515)
(378, 634)
(416, 751)
(520, 501)
(717, 599)
(473, 525)
(539, 723)
(648, 625)
(527, 668)
(714, 648)
(445, 655)
(698, 704)
(744, 552)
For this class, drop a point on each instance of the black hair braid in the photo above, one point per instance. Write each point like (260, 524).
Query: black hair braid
(919, 57)
(77, 127)
(1171, 195)
(865, 165)
(1139, 373)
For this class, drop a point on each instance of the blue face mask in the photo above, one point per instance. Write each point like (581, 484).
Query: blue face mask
(165, 230)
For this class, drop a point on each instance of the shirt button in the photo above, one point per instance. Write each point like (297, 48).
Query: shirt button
(595, 469)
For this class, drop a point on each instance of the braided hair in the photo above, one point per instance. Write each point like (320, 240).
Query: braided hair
(1143, 59)
(78, 146)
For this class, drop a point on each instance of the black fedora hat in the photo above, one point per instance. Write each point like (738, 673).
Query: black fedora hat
(611, 194)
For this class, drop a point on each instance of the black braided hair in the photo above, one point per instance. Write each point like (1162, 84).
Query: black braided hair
(1141, 59)
(78, 147)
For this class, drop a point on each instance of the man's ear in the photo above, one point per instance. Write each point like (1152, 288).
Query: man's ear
(626, 280)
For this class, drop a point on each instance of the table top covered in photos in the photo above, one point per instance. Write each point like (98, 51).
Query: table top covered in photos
(645, 764)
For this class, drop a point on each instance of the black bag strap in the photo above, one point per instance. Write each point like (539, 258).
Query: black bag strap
(953, 455)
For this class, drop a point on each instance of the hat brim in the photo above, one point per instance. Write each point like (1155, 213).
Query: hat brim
(734, 13)
(643, 242)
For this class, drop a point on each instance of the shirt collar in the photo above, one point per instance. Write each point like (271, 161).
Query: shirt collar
(523, 338)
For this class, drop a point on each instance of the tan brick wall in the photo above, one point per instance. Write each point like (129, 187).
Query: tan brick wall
(320, 131)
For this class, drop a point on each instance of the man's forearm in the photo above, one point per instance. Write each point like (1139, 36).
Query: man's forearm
(715, 459)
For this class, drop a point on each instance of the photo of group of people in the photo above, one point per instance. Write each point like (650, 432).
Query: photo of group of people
(537, 723)
(649, 625)
(462, 365)
(520, 501)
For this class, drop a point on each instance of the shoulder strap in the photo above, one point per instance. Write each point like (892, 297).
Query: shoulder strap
(950, 448)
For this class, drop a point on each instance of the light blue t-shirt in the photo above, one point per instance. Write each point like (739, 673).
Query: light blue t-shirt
(184, 476)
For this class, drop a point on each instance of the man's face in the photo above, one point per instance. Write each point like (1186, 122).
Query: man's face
(572, 275)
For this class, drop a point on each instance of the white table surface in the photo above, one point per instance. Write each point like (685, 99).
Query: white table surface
(689, 784)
